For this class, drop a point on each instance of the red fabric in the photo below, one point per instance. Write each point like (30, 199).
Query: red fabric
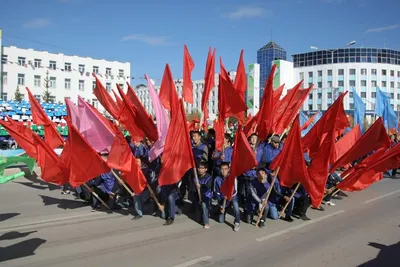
(243, 159)
(209, 84)
(240, 83)
(177, 157)
(101, 117)
(308, 123)
(52, 168)
(188, 66)
(219, 128)
(230, 102)
(194, 125)
(168, 94)
(83, 161)
(319, 167)
(117, 99)
(374, 138)
(314, 138)
(277, 95)
(39, 117)
(346, 143)
(121, 158)
(249, 127)
(264, 118)
(105, 98)
(22, 135)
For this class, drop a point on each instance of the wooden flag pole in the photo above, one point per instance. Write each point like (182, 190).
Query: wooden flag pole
(223, 206)
(96, 195)
(290, 199)
(196, 179)
(334, 188)
(153, 195)
(264, 204)
(123, 183)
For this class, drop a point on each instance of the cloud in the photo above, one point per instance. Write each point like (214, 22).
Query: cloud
(383, 29)
(244, 12)
(150, 40)
(37, 23)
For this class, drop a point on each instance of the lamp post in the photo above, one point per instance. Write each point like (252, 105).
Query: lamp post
(332, 51)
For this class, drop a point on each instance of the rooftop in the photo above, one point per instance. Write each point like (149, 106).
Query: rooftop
(271, 45)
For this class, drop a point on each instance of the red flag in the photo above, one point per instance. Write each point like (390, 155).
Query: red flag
(52, 168)
(194, 125)
(121, 158)
(346, 142)
(243, 159)
(135, 101)
(264, 118)
(188, 66)
(241, 82)
(177, 157)
(219, 128)
(117, 99)
(105, 98)
(39, 117)
(374, 138)
(209, 82)
(101, 117)
(168, 94)
(230, 103)
(250, 126)
(308, 123)
(83, 161)
(277, 95)
(22, 135)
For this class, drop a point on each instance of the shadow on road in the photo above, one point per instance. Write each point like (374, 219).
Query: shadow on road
(6, 216)
(387, 257)
(62, 203)
(14, 235)
(21, 249)
(34, 178)
(32, 185)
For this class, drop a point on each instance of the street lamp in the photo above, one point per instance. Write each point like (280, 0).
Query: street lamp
(332, 51)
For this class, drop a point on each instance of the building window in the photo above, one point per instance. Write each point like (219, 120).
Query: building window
(37, 63)
(383, 72)
(329, 72)
(53, 65)
(363, 71)
(52, 82)
(301, 76)
(21, 79)
(4, 77)
(363, 83)
(351, 105)
(94, 84)
(352, 83)
(340, 83)
(319, 84)
(108, 87)
(310, 84)
(319, 95)
(310, 96)
(21, 61)
(67, 84)
(330, 84)
(398, 74)
(373, 83)
(320, 73)
(373, 94)
(108, 71)
(4, 59)
(95, 69)
(121, 73)
(37, 97)
(363, 94)
(391, 84)
(95, 103)
(310, 107)
(398, 85)
(81, 68)
(392, 96)
(310, 74)
(319, 106)
(392, 73)
(352, 71)
(341, 72)
(81, 85)
(373, 71)
(121, 85)
(351, 94)
(383, 83)
(398, 97)
(67, 67)
(4, 96)
(36, 80)
(329, 95)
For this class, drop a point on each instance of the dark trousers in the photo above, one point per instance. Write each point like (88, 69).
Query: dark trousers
(301, 205)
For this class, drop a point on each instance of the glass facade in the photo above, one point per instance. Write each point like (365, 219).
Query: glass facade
(265, 56)
(347, 55)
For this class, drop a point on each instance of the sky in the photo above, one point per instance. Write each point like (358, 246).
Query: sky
(151, 33)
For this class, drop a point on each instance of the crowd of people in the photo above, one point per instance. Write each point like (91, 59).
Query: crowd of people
(205, 198)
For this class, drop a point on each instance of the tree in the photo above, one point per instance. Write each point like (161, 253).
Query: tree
(17, 95)
(47, 97)
(195, 114)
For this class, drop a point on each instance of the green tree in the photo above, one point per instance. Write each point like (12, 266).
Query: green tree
(47, 97)
(17, 95)
(195, 114)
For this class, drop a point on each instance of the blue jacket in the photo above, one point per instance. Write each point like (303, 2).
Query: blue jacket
(228, 151)
(277, 193)
(270, 154)
(150, 176)
(139, 151)
(258, 190)
(217, 188)
(200, 153)
(260, 150)
(206, 184)
(108, 182)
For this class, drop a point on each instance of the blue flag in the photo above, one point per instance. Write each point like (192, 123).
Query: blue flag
(384, 108)
(305, 131)
(303, 118)
(359, 110)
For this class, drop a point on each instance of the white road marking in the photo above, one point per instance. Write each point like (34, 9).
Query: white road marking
(380, 197)
(192, 262)
(261, 239)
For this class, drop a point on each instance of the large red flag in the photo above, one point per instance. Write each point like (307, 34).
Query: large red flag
(39, 117)
(277, 95)
(117, 99)
(177, 157)
(188, 66)
(243, 159)
(135, 101)
(168, 94)
(82, 160)
(240, 83)
(308, 123)
(374, 138)
(121, 158)
(250, 126)
(209, 83)
(105, 98)
(346, 142)
(219, 128)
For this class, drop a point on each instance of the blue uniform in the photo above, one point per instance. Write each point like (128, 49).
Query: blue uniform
(220, 197)
(270, 154)
(206, 184)
(200, 153)
(228, 152)
(139, 151)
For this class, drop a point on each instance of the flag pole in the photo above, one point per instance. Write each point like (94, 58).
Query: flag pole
(123, 183)
(223, 206)
(264, 204)
(290, 199)
(196, 179)
(153, 195)
(96, 195)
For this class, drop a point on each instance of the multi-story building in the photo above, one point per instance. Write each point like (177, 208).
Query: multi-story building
(265, 56)
(66, 76)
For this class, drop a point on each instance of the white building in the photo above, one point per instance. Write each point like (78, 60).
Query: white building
(69, 76)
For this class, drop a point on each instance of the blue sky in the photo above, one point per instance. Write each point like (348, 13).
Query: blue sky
(150, 33)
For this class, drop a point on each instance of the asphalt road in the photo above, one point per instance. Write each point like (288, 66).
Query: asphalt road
(40, 227)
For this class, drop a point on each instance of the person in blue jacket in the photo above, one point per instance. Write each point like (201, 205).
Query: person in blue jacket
(106, 188)
(219, 180)
(220, 157)
(277, 200)
(271, 150)
(258, 189)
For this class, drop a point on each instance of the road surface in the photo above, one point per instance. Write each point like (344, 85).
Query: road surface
(39, 227)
